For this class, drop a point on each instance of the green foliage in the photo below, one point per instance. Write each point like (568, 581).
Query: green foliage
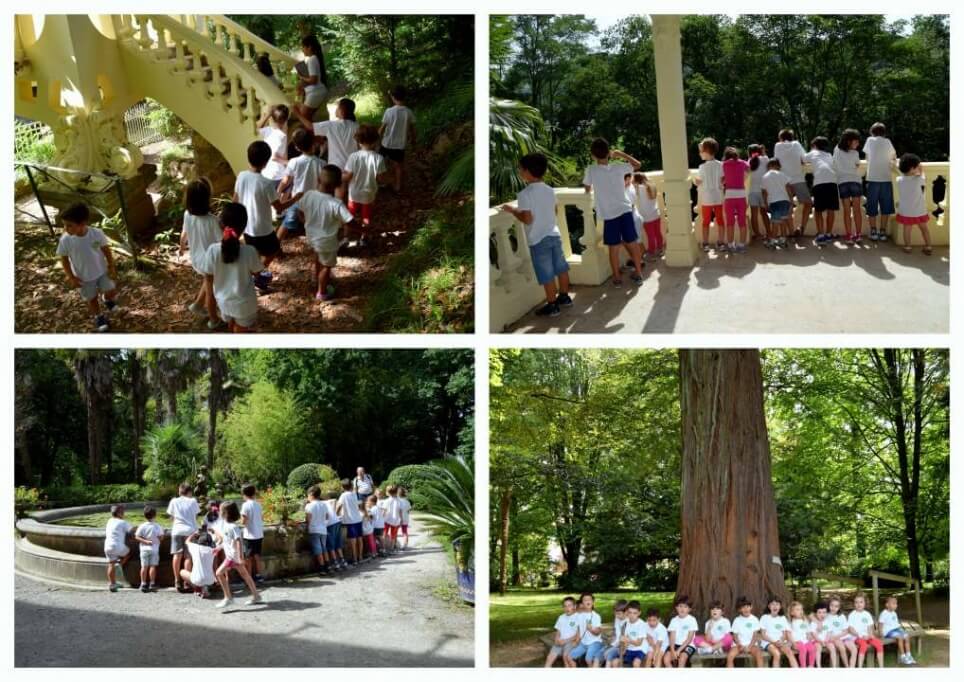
(447, 492)
(306, 475)
(172, 453)
(34, 149)
(26, 499)
(80, 495)
(166, 122)
(279, 503)
(413, 477)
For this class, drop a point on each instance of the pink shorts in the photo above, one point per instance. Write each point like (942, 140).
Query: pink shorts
(230, 563)
(701, 641)
(908, 220)
(404, 528)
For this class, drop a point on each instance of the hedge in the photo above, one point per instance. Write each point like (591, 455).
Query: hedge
(411, 476)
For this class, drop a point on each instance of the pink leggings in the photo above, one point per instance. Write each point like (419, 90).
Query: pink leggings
(654, 235)
(370, 541)
(735, 211)
(807, 654)
(726, 642)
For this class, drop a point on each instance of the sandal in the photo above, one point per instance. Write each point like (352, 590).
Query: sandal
(617, 282)
(907, 249)
(928, 250)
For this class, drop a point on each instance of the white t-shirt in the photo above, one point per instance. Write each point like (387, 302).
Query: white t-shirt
(587, 620)
(881, 155)
(799, 630)
(277, 139)
(636, 631)
(319, 512)
(837, 622)
(254, 523)
(618, 625)
(775, 185)
(744, 627)
(393, 512)
(791, 157)
(717, 629)
(364, 165)
(539, 199)
(350, 513)
(231, 535)
(340, 134)
(861, 622)
(378, 515)
(711, 182)
(820, 629)
(648, 208)
(822, 164)
(233, 287)
(774, 626)
(404, 508)
(568, 626)
(363, 485)
(756, 176)
(660, 634)
(257, 193)
(366, 524)
(609, 188)
(150, 530)
(847, 165)
(314, 69)
(682, 628)
(332, 515)
(324, 216)
(910, 196)
(888, 621)
(303, 171)
(202, 231)
(202, 564)
(396, 120)
(86, 258)
(115, 538)
(184, 511)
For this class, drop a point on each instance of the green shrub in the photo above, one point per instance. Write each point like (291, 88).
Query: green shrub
(166, 122)
(172, 453)
(108, 493)
(412, 477)
(304, 476)
(26, 499)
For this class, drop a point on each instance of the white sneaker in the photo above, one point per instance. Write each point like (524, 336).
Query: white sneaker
(197, 309)
(227, 601)
(910, 660)
(254, 600)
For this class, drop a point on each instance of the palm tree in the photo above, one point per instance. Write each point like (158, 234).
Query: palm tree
(94, 371)
(448, 494)
(515, 129)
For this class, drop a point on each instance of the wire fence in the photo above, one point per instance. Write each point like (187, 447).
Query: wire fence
(27, 135)
(140, 132)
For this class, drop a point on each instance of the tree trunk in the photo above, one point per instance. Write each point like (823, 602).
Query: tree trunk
(505, 503)
(93, 370)
(215, 400)
(730, 544)
(516, 573)
(138, 411)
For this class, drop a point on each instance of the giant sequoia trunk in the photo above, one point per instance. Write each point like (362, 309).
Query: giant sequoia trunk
(730, 542)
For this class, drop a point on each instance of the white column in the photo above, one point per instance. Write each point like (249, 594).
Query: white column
(681, 246)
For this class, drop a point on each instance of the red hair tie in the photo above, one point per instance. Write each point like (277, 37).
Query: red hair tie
(754, 154)
(229, 233)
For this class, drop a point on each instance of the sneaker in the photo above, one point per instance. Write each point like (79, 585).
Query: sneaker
(112, 587)
(739, 248)
(144, 588)
(858, 239)
(705, 247)
(564, 300)
(254, 600)
(110, 304)
(548, 310)
(215, 324)
(636, 280)
(910, 659)
(261, 281)
(151, 587)
(227, 601)
(720, 246)
(362, 243)
(197, 309)
(258, 578)
(783, 242)
(881, 236)
(874, 235)
(101, 324)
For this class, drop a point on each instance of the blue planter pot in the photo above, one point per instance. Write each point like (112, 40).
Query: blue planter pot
(465, 578)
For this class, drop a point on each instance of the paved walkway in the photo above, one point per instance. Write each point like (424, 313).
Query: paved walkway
(381, 614)
(836, 289)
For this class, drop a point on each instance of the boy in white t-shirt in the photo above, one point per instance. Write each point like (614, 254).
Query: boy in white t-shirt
(746, 634)
(325, 217)
(397, 131)
(183, 511)
(273, 129)
(87, 261)
(567, 631)
(253, 534)
(881, 156)
(610, 657)
(826, 195)
(378, 519)
(317, 516)
(790, 153)
(148, 536)
(351, 520)
(822, 635)
(709, 183)
(362, 173)
(333, 540)
(775, 189)
(657, 641)
(633, 641)
(682, 629)
(890, 628)
(536, 209)
(115, 544)
(300, 175)
(590, 643)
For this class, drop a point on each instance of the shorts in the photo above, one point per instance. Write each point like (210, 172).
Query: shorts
(562, 650)
(708, 212)
(252, 547)
(362, 496)
(756, 199)
(397, 155)
(265, 245)
(896, 633)
(779, 211)
(620, 230)
(850, 190)
(89, 289)
(872, 642)
(150, 557)
(590, 651)
(689, 650)
(114, 557)
(801, 192)
(291, 222)
(316, 97)
(548, 260)
(880, 198)
(610, 654)
(177, 543)
(326, 251)
(246, 322)
(229, 564)
(913, 220)
(378, 532)
(825, 197)
(404, 528)
(333, 541)
(317, 542)
(354, 530)
(361, 211)
(391, 531)
(631, 656)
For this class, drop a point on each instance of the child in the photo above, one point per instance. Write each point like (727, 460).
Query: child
(657, 641)
(536, 210)
(911, 207)
(324, 216)
(253, 534)
(611, 657)
(840, 636)
(709, 183)
(717, 635)
(405, 509)
(881, 156)
(200, 546)
(199, 231)
(776, 191)
(890, 628)
(633, 642)
(862, 627)
(301, 174)
(846, 164)
(758, 208)
(351, 519)
(377, 513)
(682, 629)
(115, 544)
(339, 135)
(567, 630)
(616, 211)
(735, 171)
(790, 154)
(333, 538)
(230, 265)
(184, 511)
(820, 635)
(397, 131)
(590, 625)
(774, 634)
(362, 172)
(316, 524)
(148, 536)
(746, 634)
(826, 201)
(259, 196)
(393, 517)
(800, 637)
(230, 539)
(368, 527)
(314, 83)
(87, 261)
(273, 129)
(650, 216)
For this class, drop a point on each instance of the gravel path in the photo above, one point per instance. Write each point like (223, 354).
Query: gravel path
(384, 613)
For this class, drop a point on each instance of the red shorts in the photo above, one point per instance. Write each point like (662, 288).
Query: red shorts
(404, 528)
(916, 220)
(708, 214)
(361, 212)
(864, 642)
(391, 531)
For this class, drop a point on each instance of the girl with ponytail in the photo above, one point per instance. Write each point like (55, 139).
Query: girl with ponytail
(230, 265)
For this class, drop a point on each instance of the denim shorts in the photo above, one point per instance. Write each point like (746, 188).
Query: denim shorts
(333, 542)
(548, 260)
(850, 190)
(150, 557)
(88, 290)
(756, 199)
(779, 210)
(610, 654)
(290, 221)
(590, 651)
(317, 542)
(880, 198)
(896, 633)
(620, 230)
(801, 192)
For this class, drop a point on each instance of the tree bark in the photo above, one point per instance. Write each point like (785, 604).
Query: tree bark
(138, 410)
(215, 400)
(505, 502)
(93, 370)
(730, 544)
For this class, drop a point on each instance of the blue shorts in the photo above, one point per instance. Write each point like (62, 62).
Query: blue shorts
(548, 259)
(896, 633)
(620, 230)
(317, 542)
(354, 530)
(290, 221)
(880, 198)
(850, 190)
(590, 651)
(333, 542)
(779, 210)
(610, 654)
(632, 656)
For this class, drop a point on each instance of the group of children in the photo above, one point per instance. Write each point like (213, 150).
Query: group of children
(230, 537)
(797, 637)
(627, 202)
